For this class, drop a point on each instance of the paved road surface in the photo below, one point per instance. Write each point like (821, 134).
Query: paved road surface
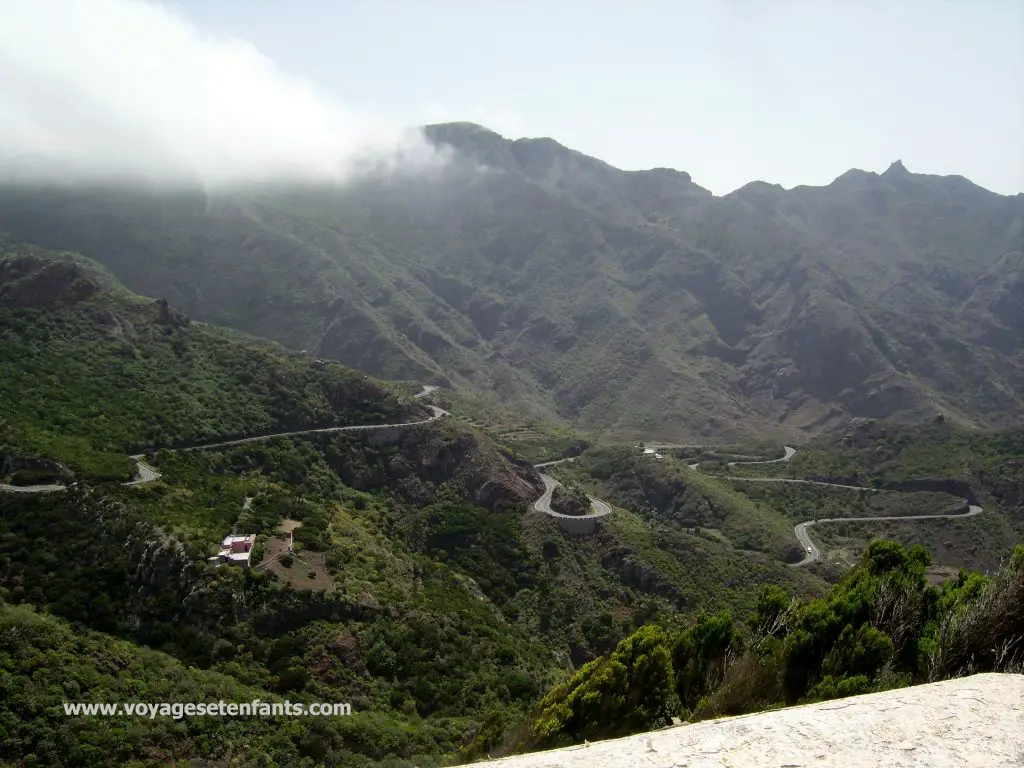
(143, 474)
(146, 473)
(813, 554)
(800, 482)
(553, 463)
(31, 488)
(789, 454)
(543, 504)
(437, 414)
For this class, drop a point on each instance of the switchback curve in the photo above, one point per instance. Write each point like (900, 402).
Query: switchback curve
(813, 554)
(147, 474)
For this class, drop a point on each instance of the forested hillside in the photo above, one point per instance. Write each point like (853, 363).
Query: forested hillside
(90, 372)
(406, 570)
(630, 301)
(882, 627)
(420, 586)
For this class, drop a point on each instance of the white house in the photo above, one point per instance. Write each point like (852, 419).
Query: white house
(235, 550)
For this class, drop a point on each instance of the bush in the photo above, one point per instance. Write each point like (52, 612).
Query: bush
(981, 628)
(881, 627)
(631, 690)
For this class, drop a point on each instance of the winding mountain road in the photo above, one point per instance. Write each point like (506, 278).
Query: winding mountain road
(147, 474)
(813, 554)
(543, 504)
(438, 413)
(50, 488)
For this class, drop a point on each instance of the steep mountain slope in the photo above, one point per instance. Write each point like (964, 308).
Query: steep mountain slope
(635, 302)
(401, 570)
(89, 371)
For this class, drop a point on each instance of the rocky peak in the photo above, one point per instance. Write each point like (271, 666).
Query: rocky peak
(474, 142)
(167, 315)
(38, 283)
(895, 168)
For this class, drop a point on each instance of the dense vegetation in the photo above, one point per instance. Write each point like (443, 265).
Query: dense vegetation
(420, 586)
(569, 499)
(89, 372)
(417, 588)
(636, 302)
(881, 627)
(46, 661)
(923, 468)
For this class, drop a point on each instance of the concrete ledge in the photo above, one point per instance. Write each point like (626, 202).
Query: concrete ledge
(972, 721)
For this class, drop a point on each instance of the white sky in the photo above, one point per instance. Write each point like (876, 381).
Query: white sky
(787, 91)
(791, 91)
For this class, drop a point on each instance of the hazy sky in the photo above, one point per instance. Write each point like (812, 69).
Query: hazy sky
(99, 88)
(791, 92)
(788, 91)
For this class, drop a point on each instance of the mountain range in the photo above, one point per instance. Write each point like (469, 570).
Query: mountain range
(400, 559)
(632, 302)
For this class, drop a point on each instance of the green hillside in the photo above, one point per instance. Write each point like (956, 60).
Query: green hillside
(421, 586)
(89, 372)
(882, 627)
(564, 309)
(628, 302)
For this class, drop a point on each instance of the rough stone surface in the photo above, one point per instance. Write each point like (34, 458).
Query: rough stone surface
(972, 721)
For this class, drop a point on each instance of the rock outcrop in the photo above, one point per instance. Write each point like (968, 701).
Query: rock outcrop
(972, 721)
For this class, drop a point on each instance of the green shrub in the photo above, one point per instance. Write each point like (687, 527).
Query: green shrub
(631, 690)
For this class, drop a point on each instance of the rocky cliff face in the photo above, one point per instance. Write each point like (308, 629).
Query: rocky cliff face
(28, 282)
(452, 457)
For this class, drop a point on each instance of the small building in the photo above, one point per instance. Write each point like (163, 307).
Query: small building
(235, 550)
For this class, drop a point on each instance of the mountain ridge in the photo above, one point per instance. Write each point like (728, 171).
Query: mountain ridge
(620, 301)
(418, 585)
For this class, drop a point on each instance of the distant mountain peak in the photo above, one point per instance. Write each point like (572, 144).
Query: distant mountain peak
(459, 126)
(897, 167)
(476, 141)
(756, 185)
(669, 173)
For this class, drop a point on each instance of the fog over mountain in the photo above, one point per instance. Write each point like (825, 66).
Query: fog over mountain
(627, 301)
(101, 89)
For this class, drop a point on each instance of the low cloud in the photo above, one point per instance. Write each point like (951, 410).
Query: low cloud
(94, 90)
